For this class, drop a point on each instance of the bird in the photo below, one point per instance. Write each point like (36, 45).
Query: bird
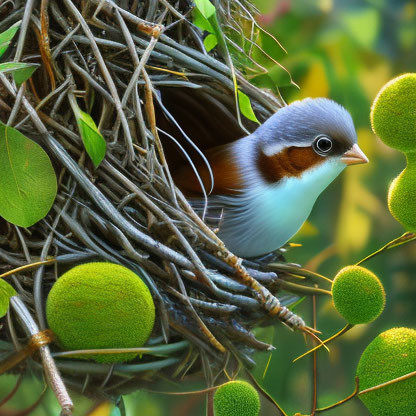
(266, 183)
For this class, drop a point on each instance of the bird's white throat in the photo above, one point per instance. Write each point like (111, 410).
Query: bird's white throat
(266, 216)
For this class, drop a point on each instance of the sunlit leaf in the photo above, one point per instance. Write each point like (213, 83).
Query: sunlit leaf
(7, 36)
(6, 292)
(206, 8)
(23, 74)
(94, 142)
(210, 42)
(202, 22)
(245, 106)
(20, 70)
(27, 179)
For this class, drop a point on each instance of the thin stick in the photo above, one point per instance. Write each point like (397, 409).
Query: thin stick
(265, 394)
(52, 374)
(327, 341)
(403, 239)
(388, 383)
(365, 391)
(106, 75)
(23, 30)
(314, 364)
(351, 396)
(27, 267)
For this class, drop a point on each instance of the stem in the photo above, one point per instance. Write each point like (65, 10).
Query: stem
(315, 363)
(51, 372)
(300, 271)
(160, 350)
(404, 239)
(388, 383)
(352, 395)
(331, 338)
(365, 391)
(27, 267)
(265, 394)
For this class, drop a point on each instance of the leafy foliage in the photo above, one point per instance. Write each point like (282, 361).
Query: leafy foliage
(6, 292)
(27, 182)
(21, 71)
(245, 107)
(7, 36)
(93, 140)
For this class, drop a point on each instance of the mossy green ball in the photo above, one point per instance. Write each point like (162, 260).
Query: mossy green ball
(390, 355)
(101, 305)
(236, 398)
(402, 196)
(393, 114)
(358, 295)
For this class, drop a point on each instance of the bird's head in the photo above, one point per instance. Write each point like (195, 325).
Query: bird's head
(304, 135)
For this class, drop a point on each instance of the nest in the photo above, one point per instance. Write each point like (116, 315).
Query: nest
(141, 70)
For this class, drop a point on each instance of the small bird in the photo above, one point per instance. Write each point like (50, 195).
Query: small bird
(266, 184)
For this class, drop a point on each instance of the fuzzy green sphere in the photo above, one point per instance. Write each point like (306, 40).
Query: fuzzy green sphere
(101, 305)
(390, 355)
(393, 114)
(358, 295)
(402, 195)
(236, 398)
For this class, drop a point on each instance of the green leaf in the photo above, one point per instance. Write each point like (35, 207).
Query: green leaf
(21, 71)
(210, 42)
(206, 8)
(24, 74)
(7, 36)
(245, 107)
(200, 21)
(94, 142)
(27, 179)
(6, 292)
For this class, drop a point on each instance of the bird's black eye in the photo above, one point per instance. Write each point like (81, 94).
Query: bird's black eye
(322, 144)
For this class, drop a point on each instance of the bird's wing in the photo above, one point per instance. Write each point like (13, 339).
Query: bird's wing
(213, 213)
(227, 178)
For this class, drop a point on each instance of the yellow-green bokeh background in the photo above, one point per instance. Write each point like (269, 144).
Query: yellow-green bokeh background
(346, 50)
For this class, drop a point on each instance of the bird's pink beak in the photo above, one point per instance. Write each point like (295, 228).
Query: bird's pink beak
(354, 156)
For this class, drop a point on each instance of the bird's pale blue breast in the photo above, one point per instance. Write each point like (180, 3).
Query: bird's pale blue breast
(266, 217)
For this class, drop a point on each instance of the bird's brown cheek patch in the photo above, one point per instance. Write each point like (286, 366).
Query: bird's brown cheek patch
(292, 161)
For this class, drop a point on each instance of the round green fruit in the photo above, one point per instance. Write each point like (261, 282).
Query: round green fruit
(393, 114)
(101, 305)
(358, 295)
(402, 195)
(236, 398)
(390, 355)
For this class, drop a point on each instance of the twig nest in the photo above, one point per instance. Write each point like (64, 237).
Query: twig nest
(236, 398)
(358, 295)
(402, 195)
(101, 305)
(390, 355)
(393, 114)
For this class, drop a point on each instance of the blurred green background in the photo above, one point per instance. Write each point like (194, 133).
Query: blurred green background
(346, 51)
